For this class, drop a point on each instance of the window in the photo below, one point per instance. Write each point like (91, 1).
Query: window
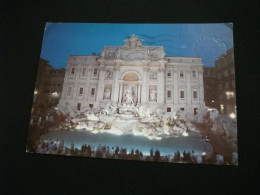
(226, 73)
(169, 94)
(169, 109)
(232, 71)
(181, 74)
(182, 94)
(153, 75)
(46, 91)
(78, 106)
(169, 74)
(226, 85)
(229, 95)
(195, 94)
(91, 105)
(83, 71)
(69, 90)
(72, 71)
(92, 91)
(195, 111)
(81, 91)
(193, 73)
(221, 108)
(95, 72)
(182, 109)
(233, 83)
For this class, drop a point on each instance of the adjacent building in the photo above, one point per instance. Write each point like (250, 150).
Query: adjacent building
(225, 73)
(135, 74)
(48, 87)
(210, 84)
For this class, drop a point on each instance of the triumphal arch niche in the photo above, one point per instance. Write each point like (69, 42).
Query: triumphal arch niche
(133, 74)
(130, 93)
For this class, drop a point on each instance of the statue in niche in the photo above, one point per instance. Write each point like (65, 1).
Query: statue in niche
(153, 95)
(128, 96)
(107, 93)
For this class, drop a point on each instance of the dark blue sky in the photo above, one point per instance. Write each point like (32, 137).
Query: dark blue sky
(208, 41)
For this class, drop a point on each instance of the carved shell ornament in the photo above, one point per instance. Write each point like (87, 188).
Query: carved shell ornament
(109, 74)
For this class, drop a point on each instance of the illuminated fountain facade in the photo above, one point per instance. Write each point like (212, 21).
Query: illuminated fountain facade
(133, 86)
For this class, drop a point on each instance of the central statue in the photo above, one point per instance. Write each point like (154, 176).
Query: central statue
(128, 96)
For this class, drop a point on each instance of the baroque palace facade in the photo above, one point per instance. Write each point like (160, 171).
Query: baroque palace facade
(133, 74)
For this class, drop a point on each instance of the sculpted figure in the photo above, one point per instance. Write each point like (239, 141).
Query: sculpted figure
(152, 95)
(128, 96)
(107, 93)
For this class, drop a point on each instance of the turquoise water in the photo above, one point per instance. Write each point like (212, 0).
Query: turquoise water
(167, 146)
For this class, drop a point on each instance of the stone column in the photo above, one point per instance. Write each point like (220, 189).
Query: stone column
(144, 90)
(139, 91)
(188, 84)
(75, 86)
(175, 90)
(100, 90)
(120, 92)
(116, 85)
(160, 87)
(87, 90)
(201, 87)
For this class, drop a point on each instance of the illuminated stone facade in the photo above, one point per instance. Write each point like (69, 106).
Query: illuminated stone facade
(134, 73)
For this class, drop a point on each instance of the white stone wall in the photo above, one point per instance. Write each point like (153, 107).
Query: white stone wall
(177, 81)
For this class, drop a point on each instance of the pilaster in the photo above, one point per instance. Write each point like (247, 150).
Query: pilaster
(161, 86)
(100, 90)
(201, 88)
(144, 86)
(175, 90)
(116, 85)
(188, 80)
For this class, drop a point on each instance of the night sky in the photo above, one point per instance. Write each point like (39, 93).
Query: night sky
(208, 41)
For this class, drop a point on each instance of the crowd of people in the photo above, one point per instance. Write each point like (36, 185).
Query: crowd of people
(58, 147)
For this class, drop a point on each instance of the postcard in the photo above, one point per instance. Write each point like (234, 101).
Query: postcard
(145, 92)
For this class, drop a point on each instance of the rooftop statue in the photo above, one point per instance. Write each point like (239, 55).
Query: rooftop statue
(133, 42)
